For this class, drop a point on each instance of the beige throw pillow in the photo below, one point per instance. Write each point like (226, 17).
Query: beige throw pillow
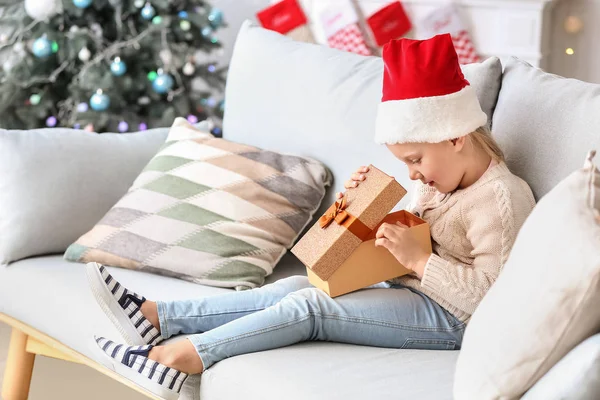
(545, 301)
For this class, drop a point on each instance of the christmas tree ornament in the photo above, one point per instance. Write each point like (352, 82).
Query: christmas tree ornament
(89, 128)
(43, 10)
(123, 126)
(215, 17)
(54, 46)
(82, 3)
(183, 14)
(388, 22)
(192, 119)
(214, 40)
(339, 22)
(84, 54)
(211, 68)
(82, 107)
(447, 19)
(287, 18)
(185, 25)
(99, 101)
(189, 69)
(42, 47)
(207, 31)
(35, 99)
(139, 3)
(148, 12)
(216, 131)
(142, 126)
(51, 121)
(573, 24)
(163, 82)
(118, 67)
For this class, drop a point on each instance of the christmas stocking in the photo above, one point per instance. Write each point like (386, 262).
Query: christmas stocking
(286, 17)
(387, 23)
(447, 20)
(339, 22)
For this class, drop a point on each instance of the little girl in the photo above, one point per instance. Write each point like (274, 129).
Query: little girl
(430, 119)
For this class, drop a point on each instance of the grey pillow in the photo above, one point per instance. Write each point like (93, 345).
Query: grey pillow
(57, 183)
(575, 377)
(319, 102)
(544, 123)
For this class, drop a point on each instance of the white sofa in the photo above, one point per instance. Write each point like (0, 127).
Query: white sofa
(282, 95)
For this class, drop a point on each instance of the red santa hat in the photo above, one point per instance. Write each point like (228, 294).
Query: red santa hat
(426, 98)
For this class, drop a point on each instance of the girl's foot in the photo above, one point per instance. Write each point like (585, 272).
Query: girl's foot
(133, 363)
(122, 307)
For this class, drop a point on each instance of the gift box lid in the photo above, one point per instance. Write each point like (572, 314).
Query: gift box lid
(324, 249)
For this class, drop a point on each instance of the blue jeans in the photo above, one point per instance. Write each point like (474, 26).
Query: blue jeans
(291, 310)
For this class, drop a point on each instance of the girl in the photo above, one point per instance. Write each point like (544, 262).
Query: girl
(430, 119)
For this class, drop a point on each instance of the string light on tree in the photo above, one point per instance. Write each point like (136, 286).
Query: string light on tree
(99, 101)
(51, 121)
(139, 3)
(215, 17)
(35, 99)
(82, 107)
(123, 126)
(189, 69)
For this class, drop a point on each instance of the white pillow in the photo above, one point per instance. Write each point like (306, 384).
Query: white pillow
(545, 301)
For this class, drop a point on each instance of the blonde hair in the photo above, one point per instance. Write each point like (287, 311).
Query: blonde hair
(482, 138)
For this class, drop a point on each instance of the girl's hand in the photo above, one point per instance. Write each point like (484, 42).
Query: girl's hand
(354, 180)
(401, 243)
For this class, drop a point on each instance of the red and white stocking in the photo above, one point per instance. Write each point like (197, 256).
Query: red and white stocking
(287, 18)
(339, 22)
(386, 23)
(447, 20)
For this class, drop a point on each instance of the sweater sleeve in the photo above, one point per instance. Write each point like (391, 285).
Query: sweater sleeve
(489, 226)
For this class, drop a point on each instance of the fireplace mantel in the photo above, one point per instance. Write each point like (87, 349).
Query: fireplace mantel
(498, 27)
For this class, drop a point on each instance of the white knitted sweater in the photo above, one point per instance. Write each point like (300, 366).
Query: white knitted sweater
(472, 233)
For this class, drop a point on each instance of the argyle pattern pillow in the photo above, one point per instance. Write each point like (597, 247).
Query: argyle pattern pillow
(209, 211)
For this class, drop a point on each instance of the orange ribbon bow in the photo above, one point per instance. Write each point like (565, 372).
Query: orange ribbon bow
(338, 214)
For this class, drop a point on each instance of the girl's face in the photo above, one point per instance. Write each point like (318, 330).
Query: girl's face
(436, 164)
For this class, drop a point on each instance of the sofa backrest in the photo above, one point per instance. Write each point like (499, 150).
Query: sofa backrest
(319, 102)
(546, 124)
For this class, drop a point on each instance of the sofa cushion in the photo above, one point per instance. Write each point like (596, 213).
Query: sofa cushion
(575, 377)
(545, 123)
(57, 183)
(319, 102)
(52, 295)
(208, 210)
(545, 301)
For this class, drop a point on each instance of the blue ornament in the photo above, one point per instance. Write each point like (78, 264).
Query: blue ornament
(163, 83)
(118, 67)
(148, 12)
(42, 47)
(183, 14)
(82, 3)
(207, 31)
(215, 17)
(99, 101)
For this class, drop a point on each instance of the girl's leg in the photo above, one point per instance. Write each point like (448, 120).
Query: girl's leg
(204, 314)
(395, 318)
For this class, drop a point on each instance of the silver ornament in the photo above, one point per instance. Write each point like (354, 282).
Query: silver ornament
(84, 54)
(189, 69)
(41, 10)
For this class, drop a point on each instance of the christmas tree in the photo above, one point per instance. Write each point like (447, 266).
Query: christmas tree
(109, 65)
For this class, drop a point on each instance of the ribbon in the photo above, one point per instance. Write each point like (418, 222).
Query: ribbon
(336, 212)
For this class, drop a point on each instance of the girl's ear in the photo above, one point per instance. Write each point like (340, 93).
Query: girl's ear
(458, 142)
